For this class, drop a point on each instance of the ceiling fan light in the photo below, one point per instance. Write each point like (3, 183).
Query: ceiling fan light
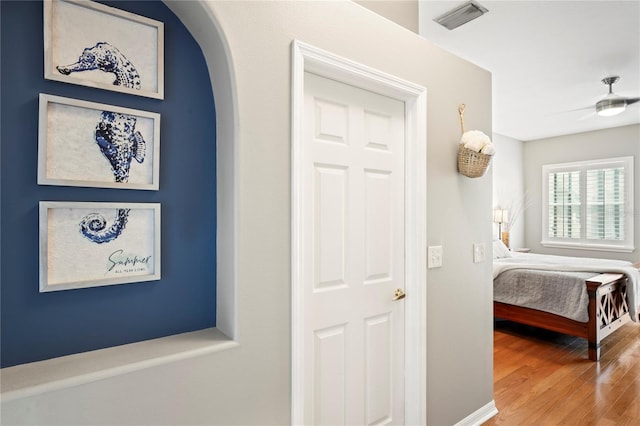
(610, 106)
(610, 112)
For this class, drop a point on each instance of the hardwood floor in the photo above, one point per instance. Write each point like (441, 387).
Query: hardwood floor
(545, 378)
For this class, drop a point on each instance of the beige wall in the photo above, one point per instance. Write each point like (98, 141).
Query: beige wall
(508, 186)
(610, 143)
(402, 12)
(250, 384)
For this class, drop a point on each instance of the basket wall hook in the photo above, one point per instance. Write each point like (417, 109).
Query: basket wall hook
(461, 108)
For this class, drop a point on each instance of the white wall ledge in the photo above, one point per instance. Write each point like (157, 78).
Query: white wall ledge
(35, 378)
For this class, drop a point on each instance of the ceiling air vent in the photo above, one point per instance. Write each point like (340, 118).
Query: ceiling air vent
(461, 15)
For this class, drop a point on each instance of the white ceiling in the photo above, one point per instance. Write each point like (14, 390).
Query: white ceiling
(547, 60)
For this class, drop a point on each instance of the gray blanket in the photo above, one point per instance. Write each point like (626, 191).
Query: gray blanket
(551, 263)
(560, 293)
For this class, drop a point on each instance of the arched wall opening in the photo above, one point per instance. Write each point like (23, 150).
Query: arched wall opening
(40, 326)
(59, 373)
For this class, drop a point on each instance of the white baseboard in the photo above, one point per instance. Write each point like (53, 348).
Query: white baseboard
(479, 416)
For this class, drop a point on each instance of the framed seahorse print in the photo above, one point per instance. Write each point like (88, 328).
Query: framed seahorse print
(86, 244)
(95, 45)
(83, 143)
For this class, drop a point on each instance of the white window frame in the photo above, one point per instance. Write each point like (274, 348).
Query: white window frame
(625, 245)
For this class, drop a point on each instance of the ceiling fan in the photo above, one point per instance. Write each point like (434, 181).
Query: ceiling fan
(613, 104)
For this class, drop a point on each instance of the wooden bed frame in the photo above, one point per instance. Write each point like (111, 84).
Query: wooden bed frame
(608, 311)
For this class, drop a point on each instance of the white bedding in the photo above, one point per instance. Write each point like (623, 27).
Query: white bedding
(574, 264)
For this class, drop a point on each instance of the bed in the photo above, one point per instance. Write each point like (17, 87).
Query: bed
(584, 297)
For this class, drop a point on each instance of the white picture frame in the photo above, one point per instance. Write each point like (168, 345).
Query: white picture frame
(76, 146)
(134, 43)
(76, 254)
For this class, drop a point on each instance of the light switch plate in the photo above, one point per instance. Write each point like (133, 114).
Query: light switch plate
(435, 257)
(479, 252)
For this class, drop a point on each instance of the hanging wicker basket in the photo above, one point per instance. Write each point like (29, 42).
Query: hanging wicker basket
(471, 163)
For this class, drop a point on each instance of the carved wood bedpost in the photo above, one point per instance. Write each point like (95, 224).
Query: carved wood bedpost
(594, 321)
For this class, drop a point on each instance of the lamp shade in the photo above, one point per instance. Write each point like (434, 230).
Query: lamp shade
(501, 216)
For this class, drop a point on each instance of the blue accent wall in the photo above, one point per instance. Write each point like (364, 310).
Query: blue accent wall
(37, 326)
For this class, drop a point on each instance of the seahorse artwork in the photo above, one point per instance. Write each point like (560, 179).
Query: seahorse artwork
(105, 57)
(94, 226)
(120, 142)
(115, 133)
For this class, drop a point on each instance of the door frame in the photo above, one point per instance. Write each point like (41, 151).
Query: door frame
(307, 58)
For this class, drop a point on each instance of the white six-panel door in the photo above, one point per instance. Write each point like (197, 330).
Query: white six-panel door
(352, 254)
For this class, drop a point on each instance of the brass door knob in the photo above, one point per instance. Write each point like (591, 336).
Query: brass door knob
(399, 294)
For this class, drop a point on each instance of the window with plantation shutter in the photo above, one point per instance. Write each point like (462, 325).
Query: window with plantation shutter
(605, 204)
(589, 204)
(564, 205)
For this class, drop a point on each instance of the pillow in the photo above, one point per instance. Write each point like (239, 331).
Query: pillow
(500, 250)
